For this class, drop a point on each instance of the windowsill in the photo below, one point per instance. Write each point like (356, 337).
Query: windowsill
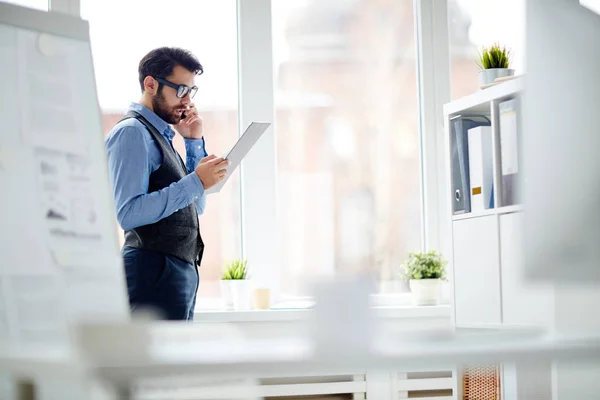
(386, 305)
(299, 314)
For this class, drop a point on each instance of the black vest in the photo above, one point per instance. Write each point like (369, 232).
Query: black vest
(178, 234)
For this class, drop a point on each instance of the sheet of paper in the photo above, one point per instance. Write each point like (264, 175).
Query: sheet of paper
(80, 236)
(239, 151)
(68, 200)
(23, 248)
(57, 96)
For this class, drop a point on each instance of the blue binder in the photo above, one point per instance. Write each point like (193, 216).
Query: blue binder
(459, 148)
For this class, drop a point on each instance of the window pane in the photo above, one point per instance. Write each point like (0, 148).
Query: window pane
(347, 138)
(476, 23)
(122, 32)
(593, 5)
(37, 4)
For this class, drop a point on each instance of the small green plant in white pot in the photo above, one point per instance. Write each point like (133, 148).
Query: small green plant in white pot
(494, 62)
(425, 273)
(235, 285)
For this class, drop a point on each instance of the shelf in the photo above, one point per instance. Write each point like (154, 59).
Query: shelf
(491, 211)
(476, 214)
(511, 209)
(479, 102)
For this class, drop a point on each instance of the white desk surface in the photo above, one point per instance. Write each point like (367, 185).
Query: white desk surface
(270, 357)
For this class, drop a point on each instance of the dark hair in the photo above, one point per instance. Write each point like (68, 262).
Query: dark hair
(160, 63)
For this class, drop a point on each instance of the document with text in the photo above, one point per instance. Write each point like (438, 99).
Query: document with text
(240, 150)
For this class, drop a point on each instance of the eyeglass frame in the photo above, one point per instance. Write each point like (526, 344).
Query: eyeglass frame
(186, 89)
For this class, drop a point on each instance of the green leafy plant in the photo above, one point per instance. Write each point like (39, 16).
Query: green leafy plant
(494, 57)
(235, 270)
(429, 265)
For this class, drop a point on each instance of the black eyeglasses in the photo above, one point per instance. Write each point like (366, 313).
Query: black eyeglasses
(182, 90)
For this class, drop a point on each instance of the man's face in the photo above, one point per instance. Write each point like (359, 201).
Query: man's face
(166, 104)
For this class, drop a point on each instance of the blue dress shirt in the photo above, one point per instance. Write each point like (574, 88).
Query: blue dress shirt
(133, 156)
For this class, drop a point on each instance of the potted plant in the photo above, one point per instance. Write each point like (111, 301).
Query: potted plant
(425, 273)
(494, 62)
(235, 286)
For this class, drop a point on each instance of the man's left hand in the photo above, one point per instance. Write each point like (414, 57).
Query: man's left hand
(191, 126)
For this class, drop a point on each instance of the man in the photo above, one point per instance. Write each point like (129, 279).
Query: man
(158, 198)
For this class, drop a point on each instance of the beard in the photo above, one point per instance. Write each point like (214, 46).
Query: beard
(166, 113)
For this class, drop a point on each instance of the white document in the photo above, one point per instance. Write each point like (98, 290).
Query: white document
(481, 174)
(22, 231)
(239, 151)
(50, 101)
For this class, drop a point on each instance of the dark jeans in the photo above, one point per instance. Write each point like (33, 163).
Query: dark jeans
(160, 283)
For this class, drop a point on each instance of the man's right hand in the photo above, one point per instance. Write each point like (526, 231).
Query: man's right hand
(211, 170)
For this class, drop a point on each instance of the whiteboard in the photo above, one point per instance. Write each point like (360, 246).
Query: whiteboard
(60, 262)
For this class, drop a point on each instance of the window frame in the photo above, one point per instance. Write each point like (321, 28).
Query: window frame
(71, 7)
(433, 66)
(256, 103)
(258, 170)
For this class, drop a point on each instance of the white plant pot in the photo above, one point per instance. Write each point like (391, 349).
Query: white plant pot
(487, 76)
(227, 294)
(425, 292)
(241, 291)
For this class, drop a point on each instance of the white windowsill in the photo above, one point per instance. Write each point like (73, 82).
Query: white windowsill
(299, 314)
(390, 305)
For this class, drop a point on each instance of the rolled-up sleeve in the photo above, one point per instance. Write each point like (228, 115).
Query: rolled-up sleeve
(195, 150)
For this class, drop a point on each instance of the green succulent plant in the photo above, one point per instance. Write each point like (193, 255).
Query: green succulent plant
(235, 270)
(419, 265)
(494, 57)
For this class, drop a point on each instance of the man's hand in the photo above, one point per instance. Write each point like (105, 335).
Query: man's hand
(191, 126)
(211, 170)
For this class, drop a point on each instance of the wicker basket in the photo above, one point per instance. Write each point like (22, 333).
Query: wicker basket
(481, 383)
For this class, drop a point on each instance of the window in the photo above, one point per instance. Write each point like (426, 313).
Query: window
(347, 139)
(593, 5)
(475, 23)
(37, 4)
(122, 32)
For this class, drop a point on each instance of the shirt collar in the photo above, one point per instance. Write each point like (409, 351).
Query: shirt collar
(163, 127)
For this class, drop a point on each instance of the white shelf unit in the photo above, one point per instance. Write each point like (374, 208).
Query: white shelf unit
(485, 251)
(492, 211)
(488, 290)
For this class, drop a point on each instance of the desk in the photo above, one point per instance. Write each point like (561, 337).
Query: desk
(124, 357)
(245, 358)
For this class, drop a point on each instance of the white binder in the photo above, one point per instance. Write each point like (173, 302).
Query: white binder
(509, 152)
(481, 174)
